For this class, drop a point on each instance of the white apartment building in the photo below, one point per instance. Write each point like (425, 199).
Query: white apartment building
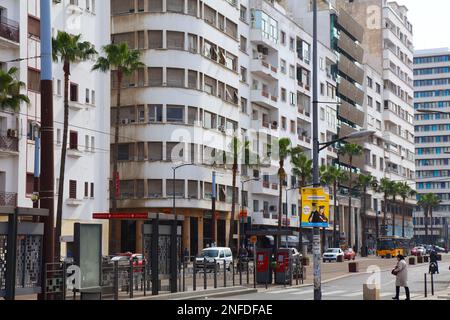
(392, 58)
(87, 164)
(432, 94)
(213, 68)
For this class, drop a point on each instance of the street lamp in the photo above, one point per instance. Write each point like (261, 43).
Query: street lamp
(241, 234)
(174, 240)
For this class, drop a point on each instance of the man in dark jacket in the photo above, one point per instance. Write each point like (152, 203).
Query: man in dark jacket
(434, 261)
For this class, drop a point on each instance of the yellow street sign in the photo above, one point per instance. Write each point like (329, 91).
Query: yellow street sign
(315, 207)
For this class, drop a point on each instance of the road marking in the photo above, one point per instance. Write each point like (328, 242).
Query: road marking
(333, 292)
(282, 291)
(382, 295)
(302, 292)
(353, 294)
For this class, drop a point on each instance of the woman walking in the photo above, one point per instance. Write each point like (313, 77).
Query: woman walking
(401, 273)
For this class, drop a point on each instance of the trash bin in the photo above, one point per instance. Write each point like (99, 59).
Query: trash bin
(91, 294)
(283, 271)
(263, 270)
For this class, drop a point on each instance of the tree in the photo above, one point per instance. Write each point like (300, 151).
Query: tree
(351, 150)
(394, 194)
(365, 181)
(405, 191)
(302, 169)
(10, 86)
(284, 150)
(120, 58)
(428, 202)
(67, 49)
(332, 175)
(385, 187)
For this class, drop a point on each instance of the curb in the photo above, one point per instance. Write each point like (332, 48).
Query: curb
(221, 295)
(198, 294)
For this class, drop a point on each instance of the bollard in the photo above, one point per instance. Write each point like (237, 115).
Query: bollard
(224, 274)
(439, 257)
(232, 267)
(432, 285)
(130, 285)
(194, 276)
(426, 259)
(340, 259)
(215, 274)
(240, 273)
(305, 261)
(425, 284)
(116, 280)
(205, 284)
(371, 292)
(353, 267)
(412, 260)
(419, 259)
(248, 273)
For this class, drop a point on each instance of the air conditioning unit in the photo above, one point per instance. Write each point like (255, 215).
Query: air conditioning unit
(125, 121)
(260, 56)
(221, 128)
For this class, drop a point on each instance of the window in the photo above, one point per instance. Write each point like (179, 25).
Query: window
(124, 152)
(243, 105)
(155, 113)
(243, 74)
(126, 189)
(155, 151)
(283, 123)
(73, 140)
(369, 82)
(193, 189)
(255, 206)
(92, 144)
(283, 94)
(369, 101)
(30, 183)
(155, 77)
(73, 92)
(175, 40)
(72, 189)
(174, 151)
(378, 86)
(58, 87)
(175, 114)
(178, 186)
(58, 136)
(283, 38)
(155, 39)
(154, 188)
(192, 79)
(292, 98)
(34, 27)
(192, 42)
(192, 115)
(175, 6)
(243, 13)
(192, 8)
(87, 96)
(322, 89)
(378, 106)
(175, 77)
(92, 97)
(86, 142)
(283, 66)
(243, 44)
(291, 44)
(292, 71)
(153, 5)
(86, 189)
(34, 80)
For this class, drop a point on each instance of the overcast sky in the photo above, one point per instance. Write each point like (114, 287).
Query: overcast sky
(431, 22)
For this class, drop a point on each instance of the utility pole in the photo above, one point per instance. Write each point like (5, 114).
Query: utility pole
(213, 209)
(47, 157)
(316, 230)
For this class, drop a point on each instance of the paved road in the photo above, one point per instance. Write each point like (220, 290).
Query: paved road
(350, 288)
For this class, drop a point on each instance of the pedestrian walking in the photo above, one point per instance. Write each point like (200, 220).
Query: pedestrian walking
(401, 273)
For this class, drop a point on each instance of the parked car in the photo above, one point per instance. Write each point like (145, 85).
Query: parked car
(439, 249)
(332, 254)
(418, 251)
(217, 255)
(349, 254)
(125, 258)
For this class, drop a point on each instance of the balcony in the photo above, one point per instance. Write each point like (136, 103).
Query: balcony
(74, 202)
(350, 47)
(264, 98)
(349, 24)
(8, 199)
(267, 188)
(263, 218)
(75, 105)
(264, 70)
(351, 69)
(350, 112)
(9, 33)
(74, 153)
(351, 91)
(9, 146)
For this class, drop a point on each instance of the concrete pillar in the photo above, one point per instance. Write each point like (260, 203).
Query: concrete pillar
(227, 228)
(115, 236)
(200, 233)
(187, 234)
(139, 224)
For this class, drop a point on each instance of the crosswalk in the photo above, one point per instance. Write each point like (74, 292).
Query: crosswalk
(306, 293)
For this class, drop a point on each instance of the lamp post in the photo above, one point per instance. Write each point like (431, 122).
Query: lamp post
(173, 238)
(241, 234)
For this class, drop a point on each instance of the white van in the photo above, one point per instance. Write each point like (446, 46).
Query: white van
(219, 255)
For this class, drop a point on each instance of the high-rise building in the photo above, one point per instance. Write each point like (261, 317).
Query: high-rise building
(87, 161)
(432, 103)
(215, 69)
(389, 52)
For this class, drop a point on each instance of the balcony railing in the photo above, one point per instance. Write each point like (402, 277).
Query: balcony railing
(9, 29)
(9, 144)
(8, 199)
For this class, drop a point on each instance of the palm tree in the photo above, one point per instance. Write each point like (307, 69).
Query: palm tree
(125, 62)
(332, 175)
(428, 202)
(284, 150)
(302, 168)
(365, 181)
(351, 150)
(394, 194)
(385, 187)
(10, 86)
(67, 49)
(405, 191)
